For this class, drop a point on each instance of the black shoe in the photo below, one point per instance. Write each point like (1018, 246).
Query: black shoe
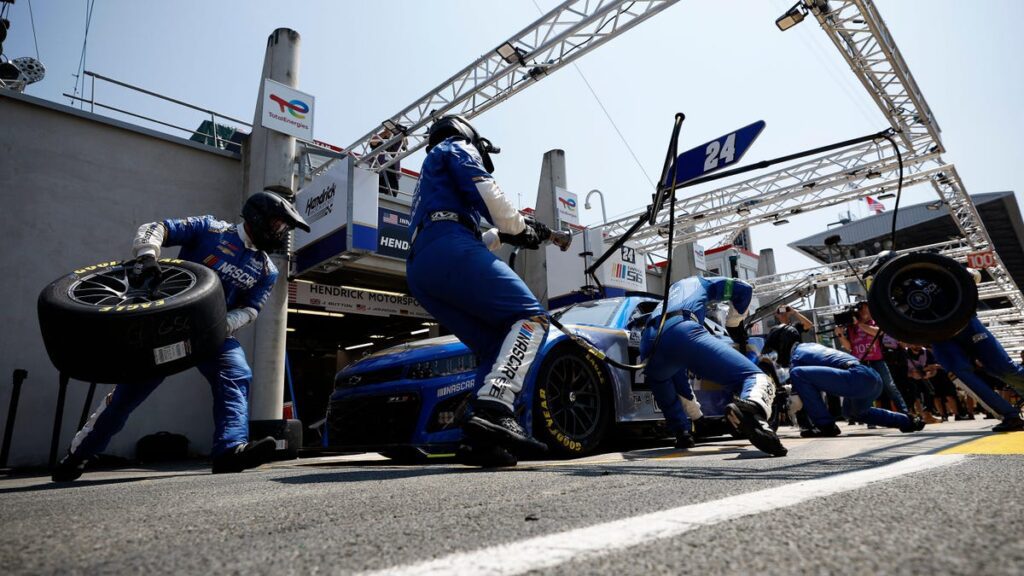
(916, 425)
(1009, 424)
(485, 456)
(496, 426)
(826, 431)
(69, 468)
(709, 426)
(243, 456)
(747, 419)
(684, 441)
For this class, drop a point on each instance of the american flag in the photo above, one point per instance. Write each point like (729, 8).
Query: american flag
(391, 218)
(874, 205)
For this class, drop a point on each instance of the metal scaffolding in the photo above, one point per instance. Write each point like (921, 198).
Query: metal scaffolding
(567, 32)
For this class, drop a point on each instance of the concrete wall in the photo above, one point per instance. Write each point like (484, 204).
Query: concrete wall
(74, 187)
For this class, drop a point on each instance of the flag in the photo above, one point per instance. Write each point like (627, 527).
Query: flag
(874, 205)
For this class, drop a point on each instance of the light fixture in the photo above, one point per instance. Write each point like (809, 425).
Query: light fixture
(358, 346)
(316, 313)
(376, 336)
(428, 323)
(792, 17)
(886, 195)
(394, 127)
(423, 331)
(873, 174)
(510, 53)
(780, 222)
(934, 205)
(289, 329)
(743, 210)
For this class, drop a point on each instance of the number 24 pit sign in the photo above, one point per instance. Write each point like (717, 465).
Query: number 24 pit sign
(287, 110)
(715, 155)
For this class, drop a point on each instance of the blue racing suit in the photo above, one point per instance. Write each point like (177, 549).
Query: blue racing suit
(957, 355)
(247, 276)
(687, 346)
(815, 368)
(458, 280)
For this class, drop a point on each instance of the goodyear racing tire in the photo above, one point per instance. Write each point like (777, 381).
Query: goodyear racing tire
(572, 403)
(97, 328)
(922, 298)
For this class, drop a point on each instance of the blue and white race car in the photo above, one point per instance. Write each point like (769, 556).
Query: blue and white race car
(405, 401)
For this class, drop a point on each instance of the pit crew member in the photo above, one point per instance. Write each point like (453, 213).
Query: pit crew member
(238, 253)
(454, 275)
(686, 345)
(814, 369)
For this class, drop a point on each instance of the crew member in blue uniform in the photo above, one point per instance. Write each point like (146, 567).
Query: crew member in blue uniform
(686, 345)
(238, 254)
(957, 355)
(814, 369)
(454, 275)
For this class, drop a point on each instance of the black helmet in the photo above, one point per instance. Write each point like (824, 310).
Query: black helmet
(780, 340)
(270, 217)
(454, 125)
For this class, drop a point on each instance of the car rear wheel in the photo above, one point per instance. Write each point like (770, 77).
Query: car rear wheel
(572, 403)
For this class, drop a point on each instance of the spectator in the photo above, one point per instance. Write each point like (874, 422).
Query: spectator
(864, 341)
(921, 366)
(388, 179)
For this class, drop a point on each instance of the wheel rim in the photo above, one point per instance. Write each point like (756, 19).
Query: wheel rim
(111, 288)
(925, 294)
(573, 397)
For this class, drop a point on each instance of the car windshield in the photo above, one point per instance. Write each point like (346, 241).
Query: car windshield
(595, 313)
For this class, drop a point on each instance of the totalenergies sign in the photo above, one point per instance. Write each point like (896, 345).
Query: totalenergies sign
(566, 203)
(287, 110)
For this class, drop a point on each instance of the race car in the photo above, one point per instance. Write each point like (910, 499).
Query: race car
(406, 401)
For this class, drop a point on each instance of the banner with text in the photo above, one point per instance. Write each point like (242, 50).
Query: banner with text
(354, 301)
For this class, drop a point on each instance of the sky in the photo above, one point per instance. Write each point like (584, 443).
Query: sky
(723, 63)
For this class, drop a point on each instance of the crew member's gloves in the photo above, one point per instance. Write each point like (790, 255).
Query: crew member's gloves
(532, 237)
(143, 268)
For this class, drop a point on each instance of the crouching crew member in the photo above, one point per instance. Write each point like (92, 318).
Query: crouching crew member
(454, 275)
(976, 342)
(685, 345)
(814, 369)
(238, 253)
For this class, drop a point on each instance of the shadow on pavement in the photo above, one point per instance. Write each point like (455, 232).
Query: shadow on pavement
(85, 482)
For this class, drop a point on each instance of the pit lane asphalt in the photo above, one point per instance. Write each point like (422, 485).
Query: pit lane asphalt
(355, 513)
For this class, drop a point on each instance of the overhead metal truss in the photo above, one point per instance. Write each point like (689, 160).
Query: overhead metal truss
(567, 32)
(859, 33)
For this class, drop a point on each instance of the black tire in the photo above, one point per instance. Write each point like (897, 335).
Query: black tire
(96, 329)
(922, 298)
(572, 403)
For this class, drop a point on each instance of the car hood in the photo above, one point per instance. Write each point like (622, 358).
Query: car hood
(409, 353)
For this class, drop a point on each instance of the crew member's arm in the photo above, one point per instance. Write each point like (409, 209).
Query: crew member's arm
(148, 240)
(477, 183)
(247, 312)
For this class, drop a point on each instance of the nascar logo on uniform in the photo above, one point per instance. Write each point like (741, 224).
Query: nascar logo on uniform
(518, 352)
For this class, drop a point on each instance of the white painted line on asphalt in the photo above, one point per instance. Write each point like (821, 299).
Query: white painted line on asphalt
(593, 541)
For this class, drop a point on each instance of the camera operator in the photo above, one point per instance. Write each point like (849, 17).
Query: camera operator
(861, 337)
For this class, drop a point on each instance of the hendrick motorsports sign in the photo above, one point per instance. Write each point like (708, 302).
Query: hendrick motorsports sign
(287, 110)
(354, 301)
(340, 206)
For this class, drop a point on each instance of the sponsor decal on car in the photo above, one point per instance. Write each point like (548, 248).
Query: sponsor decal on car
(455, 388)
